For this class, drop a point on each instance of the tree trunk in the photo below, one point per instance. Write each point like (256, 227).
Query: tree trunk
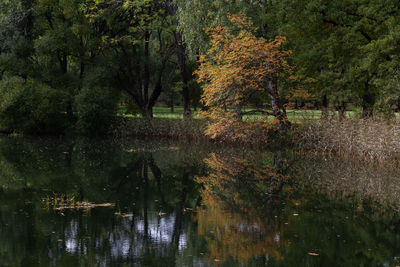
(342, 111)
(186, 102)
(82, 63)
(181, 55)
(277, 107)
(172, 104)
(398, 104)
(367, 105)
(368, 102)
(324, 109)
(146, 67)
(238, 112)
(147, 112)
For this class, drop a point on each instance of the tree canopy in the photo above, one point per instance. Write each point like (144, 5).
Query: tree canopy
(103, 59)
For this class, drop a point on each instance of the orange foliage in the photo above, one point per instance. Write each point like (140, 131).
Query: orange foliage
(237, 65)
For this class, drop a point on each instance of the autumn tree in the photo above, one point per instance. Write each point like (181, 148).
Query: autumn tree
(237, 66)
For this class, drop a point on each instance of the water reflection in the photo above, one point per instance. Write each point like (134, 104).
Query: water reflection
(365, 183)
(241, 220)
(272, 209)
(176, 205)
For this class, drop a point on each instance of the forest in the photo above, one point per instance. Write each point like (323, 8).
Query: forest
(87, 66)
(199, 133)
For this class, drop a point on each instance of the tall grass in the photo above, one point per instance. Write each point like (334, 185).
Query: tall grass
(374, 139)
(367, 139)
(193, 130)
(376, 183)
(179, 129)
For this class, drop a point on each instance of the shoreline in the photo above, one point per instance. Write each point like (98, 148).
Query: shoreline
(374, 140)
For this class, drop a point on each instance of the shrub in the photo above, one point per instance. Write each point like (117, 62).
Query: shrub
(30, 106)
(95, 108)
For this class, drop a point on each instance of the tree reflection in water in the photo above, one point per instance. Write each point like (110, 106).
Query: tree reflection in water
(176, 205)
(146, 227)
(241, 196)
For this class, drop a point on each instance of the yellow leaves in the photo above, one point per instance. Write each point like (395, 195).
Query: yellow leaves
(235, 66)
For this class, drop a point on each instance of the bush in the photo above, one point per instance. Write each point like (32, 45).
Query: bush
(95, 108)
(30, 106)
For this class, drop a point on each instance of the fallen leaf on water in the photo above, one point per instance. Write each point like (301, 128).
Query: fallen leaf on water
(295, 214)
(313, 254)
(104, 205)
(124, 214)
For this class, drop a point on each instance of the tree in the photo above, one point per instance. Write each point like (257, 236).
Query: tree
(16, 38)
(136, 37)
(195, 16)
(181, 55)
(238, 65)
(64, 47)
(349, 48)
(49, 47)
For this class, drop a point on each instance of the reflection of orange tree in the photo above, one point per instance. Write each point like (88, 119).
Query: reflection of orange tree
(239, 197)
(234, 235)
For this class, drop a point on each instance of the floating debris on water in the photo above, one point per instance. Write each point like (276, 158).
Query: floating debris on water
(313, 254)
(124, 215)
(61, 202)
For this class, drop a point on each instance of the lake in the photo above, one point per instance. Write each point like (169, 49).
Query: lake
(66, 202)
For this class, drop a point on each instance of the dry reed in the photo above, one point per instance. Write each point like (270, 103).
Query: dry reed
(188, 129)
(368, 139)
(375, 183)
(193, 130)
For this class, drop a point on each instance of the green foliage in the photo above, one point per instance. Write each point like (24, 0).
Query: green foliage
(347, 50)
(131, 107)
(30, 106)
(344, 53)
(96, 108)
(196, 16)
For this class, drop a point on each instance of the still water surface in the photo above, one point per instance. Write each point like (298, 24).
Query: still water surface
(176, 205)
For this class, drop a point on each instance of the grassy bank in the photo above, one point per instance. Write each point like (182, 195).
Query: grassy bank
(296, 115)
(161, 112)
(192, 130)
(179, 129)
(367, 139)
